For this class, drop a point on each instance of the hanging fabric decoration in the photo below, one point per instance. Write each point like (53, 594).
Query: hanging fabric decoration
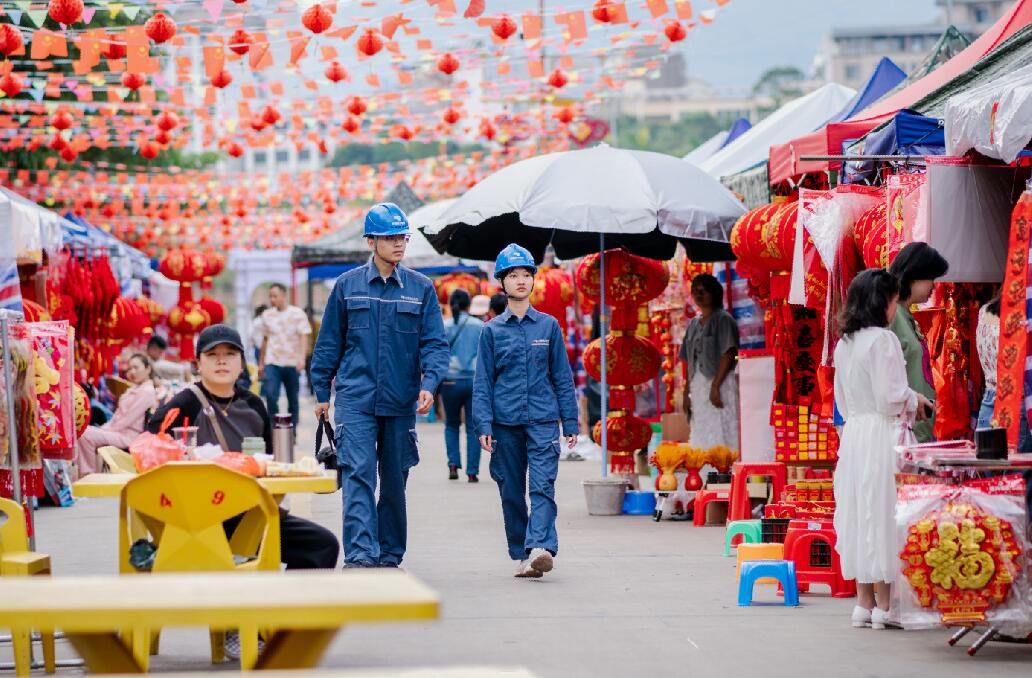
(1011, 372)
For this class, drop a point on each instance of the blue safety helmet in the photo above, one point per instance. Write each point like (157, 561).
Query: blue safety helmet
(385, 219)
(514, 256)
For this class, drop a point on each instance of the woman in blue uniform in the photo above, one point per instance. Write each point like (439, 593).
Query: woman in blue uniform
(522, 390)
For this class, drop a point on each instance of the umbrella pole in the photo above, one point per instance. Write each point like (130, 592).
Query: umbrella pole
(603, 329)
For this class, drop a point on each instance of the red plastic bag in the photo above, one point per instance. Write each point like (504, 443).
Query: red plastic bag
(240, 462)
(151, 450)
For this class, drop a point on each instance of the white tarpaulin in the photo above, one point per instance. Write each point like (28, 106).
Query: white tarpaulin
(706, 148)
(995, 119)
(796, 118)
(31, 228)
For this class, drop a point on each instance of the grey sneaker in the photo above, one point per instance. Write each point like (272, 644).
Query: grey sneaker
(232, 646)
(525, 571)
(541, 560)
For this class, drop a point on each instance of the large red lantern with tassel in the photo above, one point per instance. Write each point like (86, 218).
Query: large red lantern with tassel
(626, 434)
(763, 239)
(871, 236)
(160, 28)
(447, 284)
(630, 360)
(186, 319)
(129, 321)
(215, 310)
(553, 293)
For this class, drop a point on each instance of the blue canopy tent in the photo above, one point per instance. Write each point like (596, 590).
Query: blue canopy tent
(907, 133)
(738, 128)
(886, 76)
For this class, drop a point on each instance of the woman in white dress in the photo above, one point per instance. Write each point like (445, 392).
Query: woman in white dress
(710, 352)
(878, 406)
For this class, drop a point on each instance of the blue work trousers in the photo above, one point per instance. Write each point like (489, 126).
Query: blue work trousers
(287, 377)
(457, 396)
(368, 447)
(527, 452)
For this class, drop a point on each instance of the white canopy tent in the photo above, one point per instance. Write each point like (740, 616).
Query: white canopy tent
(796, 118)
(994, 119)
(707, 148)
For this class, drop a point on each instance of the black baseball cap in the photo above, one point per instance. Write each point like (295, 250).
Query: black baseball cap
(218, 334)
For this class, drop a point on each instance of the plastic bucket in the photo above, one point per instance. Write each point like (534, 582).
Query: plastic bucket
(639, 503)
(605, 496)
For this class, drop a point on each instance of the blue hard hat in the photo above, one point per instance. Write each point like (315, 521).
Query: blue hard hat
(385, 219)
(514, 256)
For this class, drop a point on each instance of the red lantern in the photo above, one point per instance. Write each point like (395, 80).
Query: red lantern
(447, 284)
(763, 239)
(630, 280)
(160, 28)
(68, 154)
(222, 79)
(115, 50)
(148, 149)
(351, 125)
(11, 39)
(183, 265)
(216, 311)
(168, 121)
(603, 11)
(871, 236)
(402, 132)
(10, 85)
(133, 81)
(128, 321)
(270, 115)
(33, 312)
(625, 434)
(163, 138)
(447, 64)
(62, 120)
(317, 19)
(357, 106)
(65, 12)
(451, 116)
(564, 115)
(257, 124)
(553, 293)
(558, 79)
(503, 26)
(235, 150)
(487, 130)
(630, 360)
(674, 31)
(335, 72)
(370, 42)
(186, 319)
(240, 42)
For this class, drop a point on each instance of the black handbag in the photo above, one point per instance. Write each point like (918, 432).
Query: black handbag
(327, 456)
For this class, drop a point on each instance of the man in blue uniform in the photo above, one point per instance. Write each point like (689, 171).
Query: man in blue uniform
(382, 339)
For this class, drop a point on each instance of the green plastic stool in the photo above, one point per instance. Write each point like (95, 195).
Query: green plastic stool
(751, 532)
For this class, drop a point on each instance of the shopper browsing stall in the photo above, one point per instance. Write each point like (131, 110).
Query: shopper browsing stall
(872, 394)
(523, 389)
(915, 268)
(462, 330)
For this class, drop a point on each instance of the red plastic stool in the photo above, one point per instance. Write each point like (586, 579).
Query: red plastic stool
(802, 536)
(740, 507)
(702, 500)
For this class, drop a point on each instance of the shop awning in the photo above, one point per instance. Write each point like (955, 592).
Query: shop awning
(994, 119)
(907, 133)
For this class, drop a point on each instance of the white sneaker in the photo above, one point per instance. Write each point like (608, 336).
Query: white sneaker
(861, 617)
(525, 571)
(541, 560)
(880, 620)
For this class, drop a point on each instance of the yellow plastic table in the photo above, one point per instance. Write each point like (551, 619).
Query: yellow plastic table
(111, 484)
(306, 609)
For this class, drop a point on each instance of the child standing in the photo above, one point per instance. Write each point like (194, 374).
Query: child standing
(523, 388)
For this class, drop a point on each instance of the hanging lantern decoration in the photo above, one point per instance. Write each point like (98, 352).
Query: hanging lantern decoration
(33, 312)
(168, 121)
(675, 31)
(133, 81)
(10, 85)
(487, 130)
(626, 434)
(402, 132)
(763, 239)
(503, 26)
(451, 116)
(235, 150)
(216, 311)
(369, 43)
(222, 79)
(603, 11)
(270, 116)
(65, 12)
(564, 115)
(558, 79)
(357, 106)
(127, 323)
(630, 360)
(870, 233)
(62, 120)
(115, 50)
(447, 64)
(450, 282)
(317, 19)
(351, 124)
(240, 42)
(335, 72)
(630, 282)
(154, 310)
(148, 150)
(186, 319)
(553, 294)
(11, 39)
(160, 28)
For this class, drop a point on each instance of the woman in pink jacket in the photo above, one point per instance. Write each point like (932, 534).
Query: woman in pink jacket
(128, 419)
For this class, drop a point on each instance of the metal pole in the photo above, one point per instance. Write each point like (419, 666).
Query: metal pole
(602, 317)
(12, 424)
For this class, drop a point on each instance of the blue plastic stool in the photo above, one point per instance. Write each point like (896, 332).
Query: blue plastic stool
(782, 570)
(750, 530)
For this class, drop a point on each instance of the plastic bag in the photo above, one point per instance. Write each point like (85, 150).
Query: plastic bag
(963, 551)
(240, 462)
(151, 450)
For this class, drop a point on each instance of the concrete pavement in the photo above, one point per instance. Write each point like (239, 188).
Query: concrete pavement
(628, 596)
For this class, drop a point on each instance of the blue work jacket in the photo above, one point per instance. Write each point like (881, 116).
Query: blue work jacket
(463, 337)
(383, 340)
(523, 374)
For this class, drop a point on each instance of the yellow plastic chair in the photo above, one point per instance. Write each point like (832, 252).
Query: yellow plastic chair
(116, 460)
(16, 560)
(182, 506)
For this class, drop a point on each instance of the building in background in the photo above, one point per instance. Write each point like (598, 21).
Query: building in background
(849, 55)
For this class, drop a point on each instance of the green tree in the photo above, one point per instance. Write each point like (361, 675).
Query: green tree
(674, 137)
(371, 154)
(780, 83)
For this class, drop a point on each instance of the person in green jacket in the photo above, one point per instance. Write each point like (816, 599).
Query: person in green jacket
(916, 267)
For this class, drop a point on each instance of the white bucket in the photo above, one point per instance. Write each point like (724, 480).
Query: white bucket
(605, 496)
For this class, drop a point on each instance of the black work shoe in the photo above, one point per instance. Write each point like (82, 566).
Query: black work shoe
(358, 565)
(453, 472)
(473, 478)
(394, 566)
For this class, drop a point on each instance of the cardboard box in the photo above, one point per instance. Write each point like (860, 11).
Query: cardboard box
(675, 427)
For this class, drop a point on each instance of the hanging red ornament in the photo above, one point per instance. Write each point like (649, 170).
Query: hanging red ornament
(115, 50)
(257, 124)
(65, 12)
(335, 72)
(564, 115)
(133, 81)
(270, 115)
(317, 19)
(240, 42)
(68, 154)
(603, 11)
(401, 132)
(163, 137)
(160, 28)
(487, 130)
(11, 39)
(149, 150)
(222, 79)
(168, 121)
(503, 26)
(675, 31)
(57, 143)
(451, 116)
(370, 42)
(235, 150)
(357, 106)
(10, 85)
(447, 64)
(351, 125)
(62, 120)
(558, 79)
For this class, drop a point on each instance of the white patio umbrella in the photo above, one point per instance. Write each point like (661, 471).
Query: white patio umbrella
(642, 201)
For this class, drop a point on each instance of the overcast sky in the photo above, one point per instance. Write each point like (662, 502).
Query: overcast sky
(750, 36)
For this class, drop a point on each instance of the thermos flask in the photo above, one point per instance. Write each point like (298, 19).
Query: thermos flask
(283, 439)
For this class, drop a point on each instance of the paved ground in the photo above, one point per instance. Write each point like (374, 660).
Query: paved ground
(628, 597)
